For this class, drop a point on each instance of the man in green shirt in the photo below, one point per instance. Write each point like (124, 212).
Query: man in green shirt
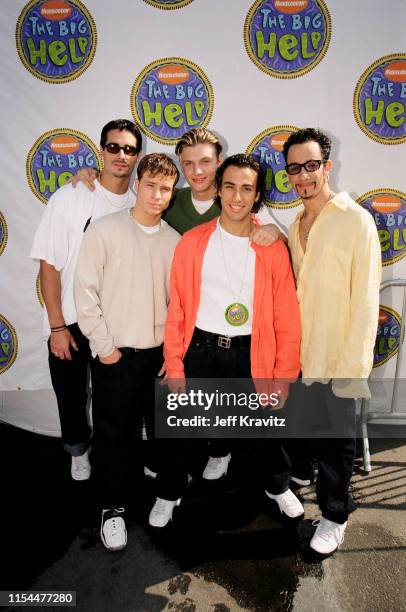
(199, 154)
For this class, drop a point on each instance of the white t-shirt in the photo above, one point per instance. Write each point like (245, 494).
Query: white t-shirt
(202, 206)
(59, 235)
(236, 267)
(263, 216)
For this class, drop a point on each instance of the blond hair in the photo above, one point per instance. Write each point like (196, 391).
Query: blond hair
(198, 136)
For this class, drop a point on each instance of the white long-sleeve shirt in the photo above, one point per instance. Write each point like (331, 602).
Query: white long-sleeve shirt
(122, 283)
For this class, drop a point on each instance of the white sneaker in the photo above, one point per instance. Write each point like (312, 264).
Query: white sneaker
(113, 532)
(149, 473)
(216, 467)
(80, 467)
(288, 504)
(328, 536)
(161, 512)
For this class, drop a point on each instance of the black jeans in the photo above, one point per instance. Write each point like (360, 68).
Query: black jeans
(335, 455)
(70, 383)
(123, 395)
(205, 359)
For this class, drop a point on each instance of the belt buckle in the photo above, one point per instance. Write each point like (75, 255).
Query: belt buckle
(224, 342)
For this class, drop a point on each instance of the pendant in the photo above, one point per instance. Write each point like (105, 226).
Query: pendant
(236, 314)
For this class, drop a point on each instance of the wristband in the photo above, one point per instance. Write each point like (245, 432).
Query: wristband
(60, 328)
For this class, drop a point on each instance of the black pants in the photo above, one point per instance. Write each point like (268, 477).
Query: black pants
(205, 359)
(335, 451)
(70, 383)
(123, 394)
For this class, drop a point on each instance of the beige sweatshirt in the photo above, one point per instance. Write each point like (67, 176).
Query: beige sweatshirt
(122, 283)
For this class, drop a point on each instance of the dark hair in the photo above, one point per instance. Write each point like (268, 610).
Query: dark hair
(157, 163)
(198, 136)
(307, 135)
(241, 160)
(121, 124)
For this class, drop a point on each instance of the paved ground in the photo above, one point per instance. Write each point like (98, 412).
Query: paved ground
(224, 552)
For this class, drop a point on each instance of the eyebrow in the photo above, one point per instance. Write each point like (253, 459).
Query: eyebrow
(233, 184)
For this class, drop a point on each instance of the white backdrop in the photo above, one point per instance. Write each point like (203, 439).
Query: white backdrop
(130, 35)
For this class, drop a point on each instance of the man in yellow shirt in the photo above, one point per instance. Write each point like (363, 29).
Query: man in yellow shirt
(336, 259)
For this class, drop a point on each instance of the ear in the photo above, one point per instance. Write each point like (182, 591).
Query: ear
(220, 160)
(136, 184)
(328, 165)
(257, 197)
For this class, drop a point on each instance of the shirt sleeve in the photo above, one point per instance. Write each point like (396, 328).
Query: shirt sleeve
(286, 316)
(88, 286)
(51, 240)
(174, 339)
(357, 358)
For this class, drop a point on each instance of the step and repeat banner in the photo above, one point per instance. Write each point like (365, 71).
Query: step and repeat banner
(253, 72)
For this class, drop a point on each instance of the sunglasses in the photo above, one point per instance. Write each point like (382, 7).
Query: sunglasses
(113, 147)
(310, 166)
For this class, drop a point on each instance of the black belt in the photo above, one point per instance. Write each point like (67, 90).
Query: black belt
(225, 342)
(127, 350)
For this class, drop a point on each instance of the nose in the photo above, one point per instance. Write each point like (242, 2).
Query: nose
(121, 154)
(237, 195)
(303, 172)
(156, 194)
(198, 170)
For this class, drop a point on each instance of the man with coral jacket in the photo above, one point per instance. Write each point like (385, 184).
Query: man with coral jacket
(233, 313)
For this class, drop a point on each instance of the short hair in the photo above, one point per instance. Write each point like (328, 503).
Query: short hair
(307, 135)
(121, 124)
(241, 160)
(157, 163)
(198, 136)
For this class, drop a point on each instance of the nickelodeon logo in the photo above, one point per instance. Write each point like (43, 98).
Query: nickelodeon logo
(278, 140)
(396, 71)
(291, 6)
(386, 204)
(64, 145)
(383, 317)
(173, 74)
(56, 10)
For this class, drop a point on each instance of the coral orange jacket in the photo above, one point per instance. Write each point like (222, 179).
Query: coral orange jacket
(275, 339)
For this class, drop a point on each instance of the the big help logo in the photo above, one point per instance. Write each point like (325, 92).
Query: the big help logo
(380, 98)
(171, 96)
(388, 336)
(55, 157)
(287, 38)
(8, 344)
(56, 40)
(388, 209)
(267, 148)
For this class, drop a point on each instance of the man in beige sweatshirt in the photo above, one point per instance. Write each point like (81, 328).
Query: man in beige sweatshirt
(122, 292)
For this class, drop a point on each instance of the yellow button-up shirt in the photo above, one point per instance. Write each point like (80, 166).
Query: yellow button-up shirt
(337, 281)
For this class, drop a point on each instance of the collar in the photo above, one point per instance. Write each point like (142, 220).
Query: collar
(340, 200)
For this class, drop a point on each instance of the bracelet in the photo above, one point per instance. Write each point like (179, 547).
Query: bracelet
(60, 328)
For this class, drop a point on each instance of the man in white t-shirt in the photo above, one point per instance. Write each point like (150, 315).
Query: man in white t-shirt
(233, 313)
(56, 245)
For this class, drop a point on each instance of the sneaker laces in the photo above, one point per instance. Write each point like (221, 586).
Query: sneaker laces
(163, 505)
(288, 501)
(215, 461)
(82, 461)
(326, 529)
